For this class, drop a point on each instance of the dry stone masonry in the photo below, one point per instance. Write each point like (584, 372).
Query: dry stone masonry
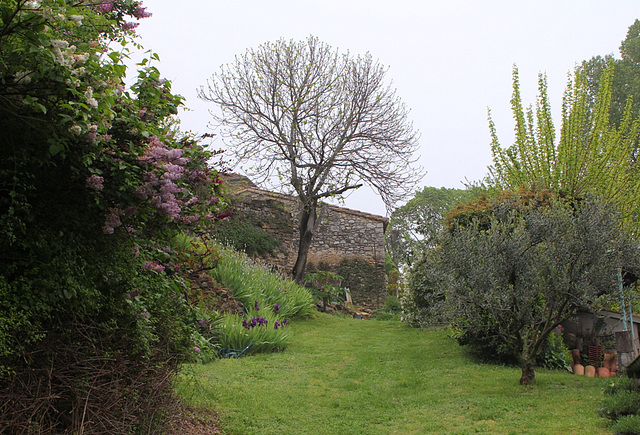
(348, 242)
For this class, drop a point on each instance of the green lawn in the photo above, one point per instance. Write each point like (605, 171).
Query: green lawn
(345, 376)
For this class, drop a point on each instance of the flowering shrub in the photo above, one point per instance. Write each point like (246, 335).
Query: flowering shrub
(95, 183)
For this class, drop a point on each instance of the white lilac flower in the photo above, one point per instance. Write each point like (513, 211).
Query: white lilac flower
(59, 43)
(81, 58)
(77, 19)
(22, 77)
(75, 129)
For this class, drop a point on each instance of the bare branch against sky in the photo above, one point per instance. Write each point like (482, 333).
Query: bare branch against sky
(449, 61)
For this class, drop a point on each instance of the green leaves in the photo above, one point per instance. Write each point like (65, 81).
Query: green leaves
(531, 266)
(591, 156)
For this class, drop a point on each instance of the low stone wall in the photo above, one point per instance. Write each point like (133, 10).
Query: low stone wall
(343, 238)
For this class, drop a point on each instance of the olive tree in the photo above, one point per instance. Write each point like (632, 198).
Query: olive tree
(314, 123)
(527, 269)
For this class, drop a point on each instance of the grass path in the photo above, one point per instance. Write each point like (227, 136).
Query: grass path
(345, 376)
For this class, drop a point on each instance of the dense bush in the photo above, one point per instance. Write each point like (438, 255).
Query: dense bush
(621, 383)
(243, 235)
(94, 183)
(423, 302)
(626, 425)
(390, 310)
(619, 404)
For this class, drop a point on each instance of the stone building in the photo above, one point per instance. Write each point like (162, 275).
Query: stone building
(347, 242)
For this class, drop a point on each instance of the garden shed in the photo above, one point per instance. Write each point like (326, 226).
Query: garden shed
(604, 330)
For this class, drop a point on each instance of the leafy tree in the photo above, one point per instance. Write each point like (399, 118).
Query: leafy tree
(93, 188)
(518, 276)
(626, 78)
(320, 122)
(415, 227)
(591, 156)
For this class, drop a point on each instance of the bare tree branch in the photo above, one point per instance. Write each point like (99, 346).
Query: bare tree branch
(324, 123)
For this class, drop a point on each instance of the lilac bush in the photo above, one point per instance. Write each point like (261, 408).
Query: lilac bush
(96, 181)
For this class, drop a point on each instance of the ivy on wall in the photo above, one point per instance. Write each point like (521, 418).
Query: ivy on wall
(365, 281)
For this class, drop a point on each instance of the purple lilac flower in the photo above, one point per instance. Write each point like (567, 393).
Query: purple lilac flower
(276, 324)
(112, 220)
(276, 308)
(153, 266)
(173, 171)
(256, 307)
(190, 220)
(105, 7)
(95, 182)
(91, 136)
(196, 349)
(128, 25)
(131, 210)
(222, 215)
(141, 12)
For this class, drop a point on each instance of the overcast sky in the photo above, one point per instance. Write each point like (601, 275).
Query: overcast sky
(450, 60)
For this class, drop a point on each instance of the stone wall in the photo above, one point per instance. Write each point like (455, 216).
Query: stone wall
(348, 242)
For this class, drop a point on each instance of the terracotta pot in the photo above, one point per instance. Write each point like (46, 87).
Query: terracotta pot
(578, 369)
(603, 372)
(611, 361)
(590, 371)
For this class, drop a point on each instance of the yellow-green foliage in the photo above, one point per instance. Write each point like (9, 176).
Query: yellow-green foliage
(591, 156)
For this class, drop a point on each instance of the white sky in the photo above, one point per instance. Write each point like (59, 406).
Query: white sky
(450, 60)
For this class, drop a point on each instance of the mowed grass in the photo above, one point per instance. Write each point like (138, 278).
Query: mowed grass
(346, 376)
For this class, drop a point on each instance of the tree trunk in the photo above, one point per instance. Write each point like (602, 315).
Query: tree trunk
(308, 218)
(528, 374)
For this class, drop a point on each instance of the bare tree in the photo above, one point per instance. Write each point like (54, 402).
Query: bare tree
(322, 122)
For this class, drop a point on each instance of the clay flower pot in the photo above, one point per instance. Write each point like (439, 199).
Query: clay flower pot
(590, 371)
(611, 361)
(578, 369)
